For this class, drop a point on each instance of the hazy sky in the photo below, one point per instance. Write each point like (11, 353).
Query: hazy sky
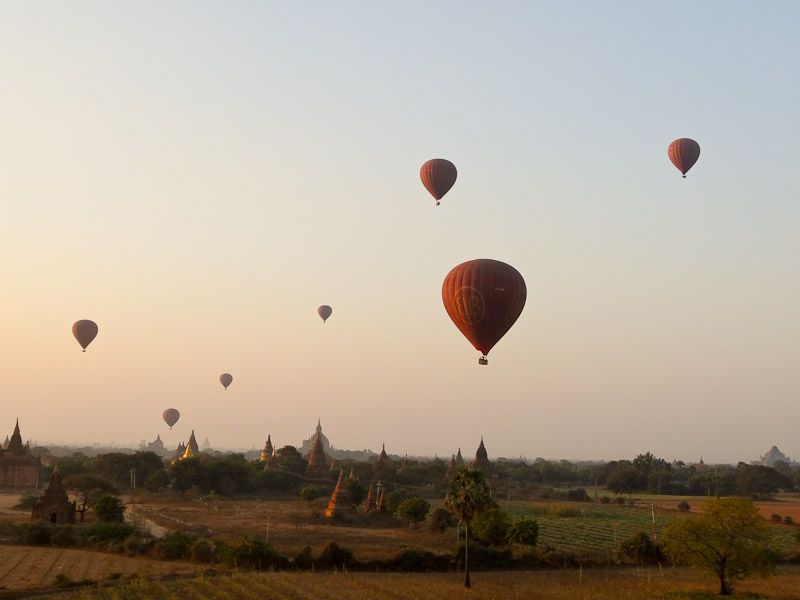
(197, 177)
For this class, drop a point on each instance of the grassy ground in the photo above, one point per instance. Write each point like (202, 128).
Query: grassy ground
(600, 584)
(24, 567)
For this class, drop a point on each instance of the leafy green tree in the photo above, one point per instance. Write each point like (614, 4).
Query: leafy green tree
(730, 539)
(491, 526)
(440, 520)
(88, 488)
(156, 480)
(413, 509)
(393, 501)
(641, 549)
(357, 491)
(290, 460)
(625, 481)
(468, 495)
(116, 467)
(310, 493)
(524, 531)
(759, 481)
(108, 508)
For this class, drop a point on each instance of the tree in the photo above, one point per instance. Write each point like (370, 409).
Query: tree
(524, 531)
(87, 488)
(413, 509)
(641, 549)
(758, 481)
(730, 539)
(491, 526)
(109, 508)
(309, 494)
(625, 481)
(440, 520)
(357, 491)
(468, 495)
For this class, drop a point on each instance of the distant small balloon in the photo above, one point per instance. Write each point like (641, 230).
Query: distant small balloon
(226, 379)
(324, 312)
(683, 153)
(438, 175)
(84, 331)
(171, 416)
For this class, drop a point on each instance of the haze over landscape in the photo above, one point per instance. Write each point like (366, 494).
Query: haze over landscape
(197, 180)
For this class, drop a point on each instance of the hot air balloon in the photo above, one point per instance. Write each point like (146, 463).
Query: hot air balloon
(226, 379)
(438, 176)
(84, 331)
(683, 153)
(171, 416)
(325, 312)
(484, 298)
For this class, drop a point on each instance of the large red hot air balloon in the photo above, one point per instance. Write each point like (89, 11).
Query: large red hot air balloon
(84, 331)
(438, 176)
(171, 416)
(324, 311)
(683, 153)
(484, 298)
(226, 379)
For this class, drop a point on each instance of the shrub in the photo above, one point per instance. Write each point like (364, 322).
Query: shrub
(26, 501)
(776, 518)
(415, 560)
(202, 551)
(641, 549)
(252, 553)
(108, 508)
(524, 532)
(156, 480)
(413, 509)
(393, 500)
(334, 556)
(174, 546)
(788, 520)
(440, 520)
(577, 495)
(683, 506)
(304, 560)
(107, 532)
(491, 526)
(481, 555)
(311, 493)
(62, 536)
(605, 500)
(137, 545)
(36, 534)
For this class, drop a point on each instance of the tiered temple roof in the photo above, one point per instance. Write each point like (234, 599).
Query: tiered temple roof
(340, 501)
(317, 465)
(451, 468)
(268, 450)
(370, 505)
(459, 458)
(481, 457)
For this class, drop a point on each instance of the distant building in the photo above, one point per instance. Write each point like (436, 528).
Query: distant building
(341, 501)
(19, 468)
(206, 445)
(156, 446)
(54, 506)
(317, 465)
(774, 456)
(306, 446)
(481, 458)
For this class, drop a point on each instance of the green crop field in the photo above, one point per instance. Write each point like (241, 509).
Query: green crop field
(594, 584)
(599, 528)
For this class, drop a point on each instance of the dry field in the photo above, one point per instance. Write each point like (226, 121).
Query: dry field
(25, 567)
(292, 526)
(601, 584)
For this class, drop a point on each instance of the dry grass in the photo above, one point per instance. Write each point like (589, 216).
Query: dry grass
(24, 567)
(600, 584)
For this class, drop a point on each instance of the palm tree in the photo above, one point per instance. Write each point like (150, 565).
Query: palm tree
(468, 495)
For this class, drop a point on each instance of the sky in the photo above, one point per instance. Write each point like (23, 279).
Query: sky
(197, 177)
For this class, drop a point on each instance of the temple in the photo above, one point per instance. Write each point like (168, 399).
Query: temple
(54, 506)
(340, 501)
(481, 458)
(19, 468)
(267, 452)
(317, 464)
(191, 449)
